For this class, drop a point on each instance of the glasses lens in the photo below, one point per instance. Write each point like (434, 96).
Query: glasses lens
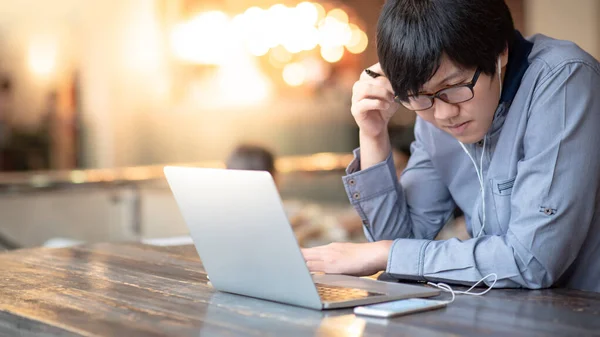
(456, 94)
(419, 102)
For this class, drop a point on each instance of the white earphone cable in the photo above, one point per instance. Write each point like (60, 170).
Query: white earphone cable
(479, 170)
(479, 177)
(447, 288)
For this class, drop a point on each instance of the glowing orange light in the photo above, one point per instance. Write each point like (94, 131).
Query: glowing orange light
(332, 54)
(294, 74)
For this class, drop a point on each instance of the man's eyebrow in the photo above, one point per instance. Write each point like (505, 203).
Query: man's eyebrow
(457, 74)
(453, 76)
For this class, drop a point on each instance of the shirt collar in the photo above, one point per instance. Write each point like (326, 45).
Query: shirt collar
(518, 62)
(517, 65)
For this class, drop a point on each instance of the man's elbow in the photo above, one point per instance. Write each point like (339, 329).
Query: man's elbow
(539, 280)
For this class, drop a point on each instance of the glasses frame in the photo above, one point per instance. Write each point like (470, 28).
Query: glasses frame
(437, 94)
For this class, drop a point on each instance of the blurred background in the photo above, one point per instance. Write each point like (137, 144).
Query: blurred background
(97, 96)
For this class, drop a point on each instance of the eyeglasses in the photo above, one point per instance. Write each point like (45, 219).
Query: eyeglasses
(454, 94)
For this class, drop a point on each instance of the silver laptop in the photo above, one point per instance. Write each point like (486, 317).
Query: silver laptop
(247, 246)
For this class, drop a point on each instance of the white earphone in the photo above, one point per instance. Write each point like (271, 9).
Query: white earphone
(479, 170)
(500, 73)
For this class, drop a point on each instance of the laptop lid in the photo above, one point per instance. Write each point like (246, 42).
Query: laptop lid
(240, 230)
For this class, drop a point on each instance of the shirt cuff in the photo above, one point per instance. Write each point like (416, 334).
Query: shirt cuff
(363, 185)
(354, 165)
(407, 258)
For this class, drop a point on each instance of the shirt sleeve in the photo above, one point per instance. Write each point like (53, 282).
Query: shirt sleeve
(417, 206)
(553, 201)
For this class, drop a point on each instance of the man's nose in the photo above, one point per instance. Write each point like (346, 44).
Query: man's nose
(445, 111)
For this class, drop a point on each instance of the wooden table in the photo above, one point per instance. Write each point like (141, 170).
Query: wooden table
(138, 290)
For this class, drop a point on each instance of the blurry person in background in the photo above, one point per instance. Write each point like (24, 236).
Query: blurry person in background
(258, 158)
(312, 225)
(251, 157)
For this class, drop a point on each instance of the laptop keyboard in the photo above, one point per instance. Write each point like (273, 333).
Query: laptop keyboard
(329, 293)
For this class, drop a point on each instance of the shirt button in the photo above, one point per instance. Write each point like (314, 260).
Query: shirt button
(548, 211)
(366, 223)
(480, 143)
(356, 195)
(352, 182)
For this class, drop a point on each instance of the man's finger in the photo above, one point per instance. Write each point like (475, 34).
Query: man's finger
(385, 82)
(309, 253)
(376, 68)
(366, 105)
(316, 266)
(364, 90)
(312, 253)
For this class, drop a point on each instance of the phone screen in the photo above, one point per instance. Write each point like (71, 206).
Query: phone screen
(394, 308)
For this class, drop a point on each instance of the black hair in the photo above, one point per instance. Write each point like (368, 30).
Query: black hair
(412, 36)
(251, 157)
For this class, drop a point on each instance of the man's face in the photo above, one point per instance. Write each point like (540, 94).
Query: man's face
(469, 121)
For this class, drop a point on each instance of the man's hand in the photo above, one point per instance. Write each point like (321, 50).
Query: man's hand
(373, 103)
(372, 108)
(359, 259)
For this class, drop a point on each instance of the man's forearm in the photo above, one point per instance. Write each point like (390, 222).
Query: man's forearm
(373, 150)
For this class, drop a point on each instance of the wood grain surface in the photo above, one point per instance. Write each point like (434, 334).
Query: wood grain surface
(130, 289)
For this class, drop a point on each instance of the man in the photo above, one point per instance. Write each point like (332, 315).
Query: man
(507, 130)
(307, 220)
(251, 157)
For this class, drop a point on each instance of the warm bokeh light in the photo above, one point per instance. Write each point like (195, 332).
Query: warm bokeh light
(283, 33)
(200, 40)
(316, 70)
(333, 33)
(254, 29)
(241, 83)
(42, 55)
(314, 162)
(141, 46)
(332, 54)
(278, 20)
(321, 13)
(258, 47)
(308, 13)
(339, 15)
(294, 74)
(310, 39)
(279, 56)
(293, 46)
(344, 325)
(77, 176)
(358, 40)
(294, 28)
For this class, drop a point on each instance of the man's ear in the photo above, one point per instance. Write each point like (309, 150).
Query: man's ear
(504, 57)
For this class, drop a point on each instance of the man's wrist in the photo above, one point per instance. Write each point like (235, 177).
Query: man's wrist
(374, 150)
(378, 140)
(383, 253)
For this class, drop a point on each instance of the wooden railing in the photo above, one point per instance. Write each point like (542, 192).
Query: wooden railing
(36, 180)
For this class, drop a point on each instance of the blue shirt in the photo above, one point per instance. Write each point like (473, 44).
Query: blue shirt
(541, 172)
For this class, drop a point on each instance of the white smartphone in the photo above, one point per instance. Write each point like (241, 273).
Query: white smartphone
(397, 308)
